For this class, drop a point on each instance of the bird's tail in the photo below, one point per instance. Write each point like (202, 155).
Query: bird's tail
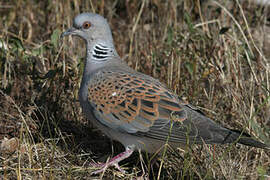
(246, 139)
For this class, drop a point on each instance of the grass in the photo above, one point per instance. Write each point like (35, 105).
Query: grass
(213, 54)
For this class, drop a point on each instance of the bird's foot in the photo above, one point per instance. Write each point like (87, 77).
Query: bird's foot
(114, 161)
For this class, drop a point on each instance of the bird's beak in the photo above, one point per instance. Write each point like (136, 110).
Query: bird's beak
(71, 31)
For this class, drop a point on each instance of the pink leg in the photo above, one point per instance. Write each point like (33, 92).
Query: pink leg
(114, 161)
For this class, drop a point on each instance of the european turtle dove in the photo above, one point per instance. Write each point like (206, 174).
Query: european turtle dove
(133, 108)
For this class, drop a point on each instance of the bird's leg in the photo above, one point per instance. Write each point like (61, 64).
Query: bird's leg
(115, 160)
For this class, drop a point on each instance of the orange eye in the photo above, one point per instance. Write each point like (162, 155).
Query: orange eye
(86, 25)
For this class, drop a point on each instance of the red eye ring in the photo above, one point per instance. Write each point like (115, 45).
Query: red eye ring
(86, 25)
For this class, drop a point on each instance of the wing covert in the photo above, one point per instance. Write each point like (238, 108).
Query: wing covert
(132, 102)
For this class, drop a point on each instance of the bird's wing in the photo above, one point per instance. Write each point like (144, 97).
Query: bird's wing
(138, 104)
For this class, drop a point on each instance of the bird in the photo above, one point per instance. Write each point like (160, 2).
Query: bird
(134, 108)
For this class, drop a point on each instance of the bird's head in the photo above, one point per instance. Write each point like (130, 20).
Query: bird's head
(90, 27)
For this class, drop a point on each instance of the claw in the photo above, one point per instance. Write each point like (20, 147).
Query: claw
(114, 161)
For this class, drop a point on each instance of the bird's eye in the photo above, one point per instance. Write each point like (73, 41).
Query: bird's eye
(86, 25)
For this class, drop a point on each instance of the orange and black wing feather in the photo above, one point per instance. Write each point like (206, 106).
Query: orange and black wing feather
(132, 102)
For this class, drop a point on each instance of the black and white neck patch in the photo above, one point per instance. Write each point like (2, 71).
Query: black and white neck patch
(101, 52)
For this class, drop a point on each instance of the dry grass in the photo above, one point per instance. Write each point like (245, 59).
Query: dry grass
(214, 54)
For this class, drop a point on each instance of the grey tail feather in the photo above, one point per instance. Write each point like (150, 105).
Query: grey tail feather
(248, 141)
(245, 139)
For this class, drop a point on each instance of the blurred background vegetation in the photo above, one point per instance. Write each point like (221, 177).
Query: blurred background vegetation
(214, 54)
